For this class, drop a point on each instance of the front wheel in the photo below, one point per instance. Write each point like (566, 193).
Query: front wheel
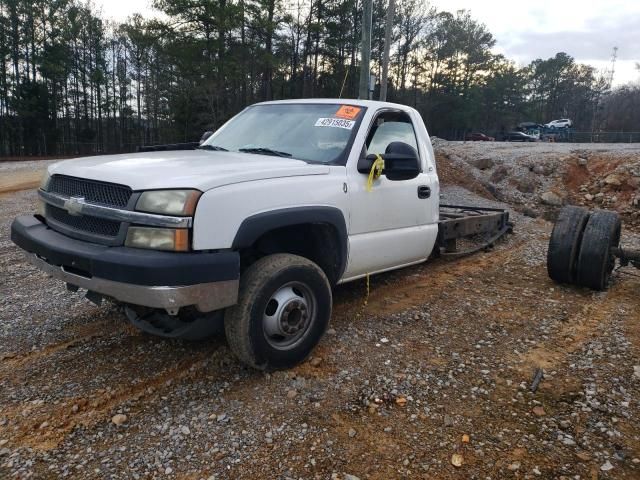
(283, 309)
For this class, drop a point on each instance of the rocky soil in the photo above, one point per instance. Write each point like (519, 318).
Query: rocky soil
(430, 376)
(538, 178)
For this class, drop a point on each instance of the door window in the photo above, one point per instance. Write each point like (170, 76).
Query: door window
(390, 127)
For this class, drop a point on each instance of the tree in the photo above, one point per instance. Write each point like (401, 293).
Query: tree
(71, 83)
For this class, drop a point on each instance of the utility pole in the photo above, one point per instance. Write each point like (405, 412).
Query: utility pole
(612, 71)
(601, 124)
(365, 54)
(387, 45)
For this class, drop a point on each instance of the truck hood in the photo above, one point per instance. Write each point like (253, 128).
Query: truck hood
(200, 169)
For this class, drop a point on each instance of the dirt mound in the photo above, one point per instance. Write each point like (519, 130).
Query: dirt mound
(538, 179)
(607, 183)
(452, 170)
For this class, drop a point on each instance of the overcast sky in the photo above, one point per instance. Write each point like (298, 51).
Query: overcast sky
(586, 30)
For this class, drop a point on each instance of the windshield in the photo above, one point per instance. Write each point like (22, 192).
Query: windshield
(311, 132)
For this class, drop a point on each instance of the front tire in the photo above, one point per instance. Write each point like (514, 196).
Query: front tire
(283, 309)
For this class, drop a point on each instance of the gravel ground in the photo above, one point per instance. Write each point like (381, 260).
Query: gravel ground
(16, 176)
(7, 168)
(506, 149)
(437, 363)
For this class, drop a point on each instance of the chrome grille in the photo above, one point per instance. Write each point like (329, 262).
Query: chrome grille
(102, 193)
(90, 225)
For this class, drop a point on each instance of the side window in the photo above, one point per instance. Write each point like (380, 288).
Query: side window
(390, 127)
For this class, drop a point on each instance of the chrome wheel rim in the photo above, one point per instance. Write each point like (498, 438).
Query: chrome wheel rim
(288, 315)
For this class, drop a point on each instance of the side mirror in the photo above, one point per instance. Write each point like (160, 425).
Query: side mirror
(397, 166)
(400, 166)
(204, 136)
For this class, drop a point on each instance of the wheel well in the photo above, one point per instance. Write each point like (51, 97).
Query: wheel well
(319, 242)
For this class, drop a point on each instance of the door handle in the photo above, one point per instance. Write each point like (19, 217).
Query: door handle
(424, 191)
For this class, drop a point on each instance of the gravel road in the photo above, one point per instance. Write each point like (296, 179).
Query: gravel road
(436, 366)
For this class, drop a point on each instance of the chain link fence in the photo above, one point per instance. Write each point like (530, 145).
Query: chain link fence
(603, 137)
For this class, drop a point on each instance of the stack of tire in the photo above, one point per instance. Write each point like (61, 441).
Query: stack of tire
(580, 248)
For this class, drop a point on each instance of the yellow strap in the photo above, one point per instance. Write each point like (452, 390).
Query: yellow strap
(375, 172)
(366, 298)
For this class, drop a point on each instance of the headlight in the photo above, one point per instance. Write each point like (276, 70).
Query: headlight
(169, 202)
(176, 240)
(44, 183)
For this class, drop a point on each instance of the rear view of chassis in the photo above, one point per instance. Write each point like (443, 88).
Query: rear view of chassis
(584, 246)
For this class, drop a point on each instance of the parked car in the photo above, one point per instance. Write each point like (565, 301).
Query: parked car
(518, 137)
(562, 123)
(252, 228)
(479, 137)
(522, 126)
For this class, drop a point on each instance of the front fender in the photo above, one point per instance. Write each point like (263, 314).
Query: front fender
(221, 218)
(254, 227)
(257, 225)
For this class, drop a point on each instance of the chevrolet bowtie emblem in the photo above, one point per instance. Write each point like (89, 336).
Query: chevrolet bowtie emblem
(73, 206)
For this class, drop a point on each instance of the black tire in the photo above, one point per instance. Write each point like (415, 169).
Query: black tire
(564, 244)
(307, 299)
(595, 261)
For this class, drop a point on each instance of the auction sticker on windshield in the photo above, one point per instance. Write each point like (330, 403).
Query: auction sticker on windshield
(335, 123)
(348, 111)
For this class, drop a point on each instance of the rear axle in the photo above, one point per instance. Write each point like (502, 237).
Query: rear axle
(584, 246)
(627, 256)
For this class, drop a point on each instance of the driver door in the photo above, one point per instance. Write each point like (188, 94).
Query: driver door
(394, 224)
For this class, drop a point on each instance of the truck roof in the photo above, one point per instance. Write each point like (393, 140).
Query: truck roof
(347, 101)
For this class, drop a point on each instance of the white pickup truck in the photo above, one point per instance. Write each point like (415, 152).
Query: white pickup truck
(254, 226)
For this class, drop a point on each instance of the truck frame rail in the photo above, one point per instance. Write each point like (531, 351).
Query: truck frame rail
(484, 225)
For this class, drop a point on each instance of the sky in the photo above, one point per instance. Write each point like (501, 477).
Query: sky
(586, 30)
(524, 31)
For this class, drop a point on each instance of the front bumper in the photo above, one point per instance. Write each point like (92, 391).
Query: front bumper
(168, 280)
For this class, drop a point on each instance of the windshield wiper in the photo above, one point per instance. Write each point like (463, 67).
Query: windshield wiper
(212, 147)
(264, 151)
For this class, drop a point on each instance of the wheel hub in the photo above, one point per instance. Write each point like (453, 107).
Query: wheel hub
(294, 317)
(288, 315)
